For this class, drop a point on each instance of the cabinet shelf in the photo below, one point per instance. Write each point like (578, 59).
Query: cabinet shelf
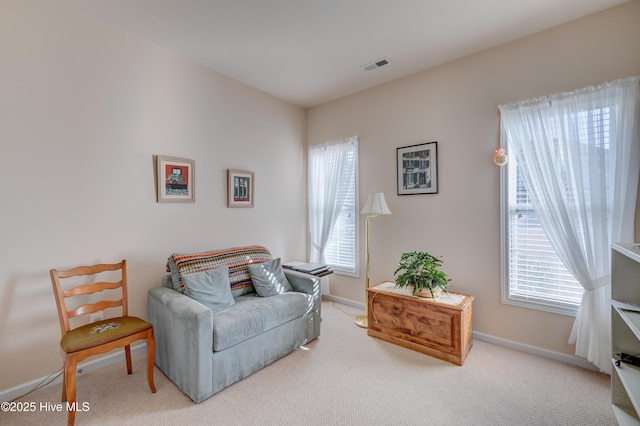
(625, 418)
(625, 327)
(631, 318)
(630, 250)
(630, 378)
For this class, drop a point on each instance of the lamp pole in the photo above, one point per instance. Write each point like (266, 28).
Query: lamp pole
(374, 206)
(363, 320)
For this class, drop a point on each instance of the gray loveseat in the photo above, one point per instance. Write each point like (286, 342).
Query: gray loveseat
(202, 349)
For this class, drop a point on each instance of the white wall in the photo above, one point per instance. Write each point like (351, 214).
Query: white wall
(456, 105)
(83, 109)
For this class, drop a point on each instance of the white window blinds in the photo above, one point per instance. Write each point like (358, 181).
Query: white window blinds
(535, 272)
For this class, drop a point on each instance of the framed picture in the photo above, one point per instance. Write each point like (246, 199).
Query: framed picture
(418, 169)
(175, 180)
(240, 186)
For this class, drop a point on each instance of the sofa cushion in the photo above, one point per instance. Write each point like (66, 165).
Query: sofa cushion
(236, 259)
(268, 278)
(211, 288)
(253, 315)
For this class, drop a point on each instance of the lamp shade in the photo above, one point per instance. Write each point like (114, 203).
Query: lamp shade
(375, 204)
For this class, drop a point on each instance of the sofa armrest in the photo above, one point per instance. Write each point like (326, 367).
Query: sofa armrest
(183, 331)
(303, 283)
(309, 284)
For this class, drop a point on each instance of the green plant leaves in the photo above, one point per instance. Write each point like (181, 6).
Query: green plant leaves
(419, 269)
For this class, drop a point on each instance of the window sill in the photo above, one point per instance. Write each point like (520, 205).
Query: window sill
(338, 271)
(567, 310)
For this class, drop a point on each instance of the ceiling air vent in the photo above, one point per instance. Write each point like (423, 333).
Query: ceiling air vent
(377, 64)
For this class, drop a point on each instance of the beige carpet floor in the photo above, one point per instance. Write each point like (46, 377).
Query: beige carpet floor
(348, 378)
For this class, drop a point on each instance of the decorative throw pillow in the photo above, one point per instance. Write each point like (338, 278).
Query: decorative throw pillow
(211, 288)
(268, 278)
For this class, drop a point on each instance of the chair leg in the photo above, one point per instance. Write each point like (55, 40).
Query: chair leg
(71, 364)
(151, 347)
(64, 380)
(127, 354)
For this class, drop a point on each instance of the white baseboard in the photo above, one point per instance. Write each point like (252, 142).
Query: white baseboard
(342, 301)
(92, 364)
(534, 350)
(521, 347)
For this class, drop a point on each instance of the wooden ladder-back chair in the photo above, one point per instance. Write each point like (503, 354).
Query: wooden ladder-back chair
(101, 336)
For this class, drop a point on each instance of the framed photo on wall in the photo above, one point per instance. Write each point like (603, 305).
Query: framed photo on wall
(417, 169)
(175, 180)
(240, 187)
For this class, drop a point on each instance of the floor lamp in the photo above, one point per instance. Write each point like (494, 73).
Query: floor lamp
(375, 205)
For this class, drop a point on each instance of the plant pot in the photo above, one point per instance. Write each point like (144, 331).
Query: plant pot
(427, 294)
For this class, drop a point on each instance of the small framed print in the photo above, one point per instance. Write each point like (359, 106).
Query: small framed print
(418, 169)
(175, 180)
(240, 187)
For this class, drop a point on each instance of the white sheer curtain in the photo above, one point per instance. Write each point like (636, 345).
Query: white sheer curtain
(579, 158)
(329, 167)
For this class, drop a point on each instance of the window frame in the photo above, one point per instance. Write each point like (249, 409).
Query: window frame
(340, 269)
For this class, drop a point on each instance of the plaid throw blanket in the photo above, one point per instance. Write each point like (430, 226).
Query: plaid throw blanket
(237, 259)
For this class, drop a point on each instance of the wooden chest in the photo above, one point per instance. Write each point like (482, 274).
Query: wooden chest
(440, 328)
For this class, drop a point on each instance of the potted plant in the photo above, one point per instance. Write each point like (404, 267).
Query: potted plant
(420, 271)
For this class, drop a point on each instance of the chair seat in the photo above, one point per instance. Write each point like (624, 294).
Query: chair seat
(101, 332)
(101, 336)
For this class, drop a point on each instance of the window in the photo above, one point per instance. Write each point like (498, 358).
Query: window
(578, 156)
(333, 209)
(533, 274)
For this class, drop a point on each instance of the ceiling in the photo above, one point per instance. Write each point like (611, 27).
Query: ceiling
(308, 52)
